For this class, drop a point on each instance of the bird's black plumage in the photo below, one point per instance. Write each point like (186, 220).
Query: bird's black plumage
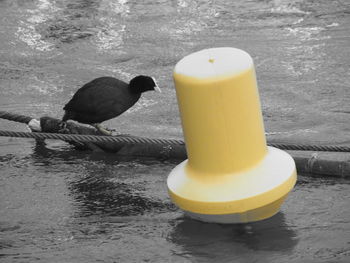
(105, 98)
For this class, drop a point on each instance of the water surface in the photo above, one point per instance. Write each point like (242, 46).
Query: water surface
(63, 206)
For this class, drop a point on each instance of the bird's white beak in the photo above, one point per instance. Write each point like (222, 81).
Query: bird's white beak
(156, 87)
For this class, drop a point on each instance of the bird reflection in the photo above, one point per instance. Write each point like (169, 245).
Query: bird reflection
(96, 195)
(102, 183)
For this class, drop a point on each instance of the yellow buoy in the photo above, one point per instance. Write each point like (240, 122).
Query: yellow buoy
(231, 176)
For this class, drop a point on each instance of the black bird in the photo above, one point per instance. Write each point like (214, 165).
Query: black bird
(105, 98)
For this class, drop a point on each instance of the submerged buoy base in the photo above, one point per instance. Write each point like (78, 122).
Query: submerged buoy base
(246, 196)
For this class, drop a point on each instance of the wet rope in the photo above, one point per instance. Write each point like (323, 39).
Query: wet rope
(142, 140)
(90, 138)
(137, 140)
(15, 117)
(307, 147)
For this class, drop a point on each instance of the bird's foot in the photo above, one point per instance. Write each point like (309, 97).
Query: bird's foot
(63, 127)
(104, 131)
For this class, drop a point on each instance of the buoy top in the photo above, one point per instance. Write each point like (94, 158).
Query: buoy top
(214, 62)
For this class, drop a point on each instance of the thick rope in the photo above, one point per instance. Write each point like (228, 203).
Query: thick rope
(15, 117)
(136, 140)
(90, 138)
(307, 147)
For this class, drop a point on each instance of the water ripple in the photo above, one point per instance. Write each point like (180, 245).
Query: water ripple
(27, 31)
(28, 34)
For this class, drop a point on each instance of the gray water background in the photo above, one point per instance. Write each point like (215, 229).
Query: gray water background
(61, 205)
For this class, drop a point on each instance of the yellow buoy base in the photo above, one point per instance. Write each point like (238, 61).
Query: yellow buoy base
(245, 196)
(249, 216)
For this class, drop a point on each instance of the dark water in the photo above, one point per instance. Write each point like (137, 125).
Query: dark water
(63, 206)
(60, 205)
